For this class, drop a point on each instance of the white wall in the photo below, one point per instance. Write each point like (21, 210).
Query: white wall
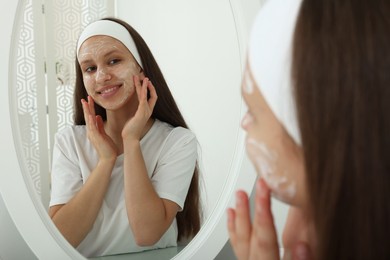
(204, 75)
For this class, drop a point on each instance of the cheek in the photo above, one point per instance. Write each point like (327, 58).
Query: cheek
(89, 84)
(263, 159)
(128, 71)
(268, 165)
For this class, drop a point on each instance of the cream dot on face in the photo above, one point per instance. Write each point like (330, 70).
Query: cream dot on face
(266, 165)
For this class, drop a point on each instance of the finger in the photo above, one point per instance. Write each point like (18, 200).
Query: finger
(91, 125)
(90, 120)
(100, 125)
(239, 247)
(153, 95)
(85, 111)
(231, 218)
(137, 83)
(263, 214)
(139, 88)
(264, 244)
(243, 225)
(243, 221)
(91, 105)
(301, 251)
(143, 95)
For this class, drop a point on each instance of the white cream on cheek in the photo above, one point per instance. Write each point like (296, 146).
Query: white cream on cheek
(92, 51)
(266, 161)
(121, 75)
(125, 74)
(266, 164)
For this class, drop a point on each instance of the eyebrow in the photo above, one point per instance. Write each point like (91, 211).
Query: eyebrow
(105, 55)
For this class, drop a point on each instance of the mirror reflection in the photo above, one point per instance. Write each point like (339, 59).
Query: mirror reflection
(45, 93)
(125, 175)
(127, 170)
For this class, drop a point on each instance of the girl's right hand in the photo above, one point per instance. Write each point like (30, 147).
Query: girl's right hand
(135, 126)
(255, 239)
(103, 143)
(258, 239)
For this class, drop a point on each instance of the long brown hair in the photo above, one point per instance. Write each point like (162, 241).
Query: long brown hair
(166, 110)
(341, 68)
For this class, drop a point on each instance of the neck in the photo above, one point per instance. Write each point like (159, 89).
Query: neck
(116, 120)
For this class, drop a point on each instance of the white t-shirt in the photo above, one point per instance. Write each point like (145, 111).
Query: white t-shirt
(170, 155)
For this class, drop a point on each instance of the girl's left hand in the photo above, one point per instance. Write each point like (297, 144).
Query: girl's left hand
(134, 127)
(257, 240)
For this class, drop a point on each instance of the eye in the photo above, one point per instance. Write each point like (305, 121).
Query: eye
(90, 69)
(114, 61)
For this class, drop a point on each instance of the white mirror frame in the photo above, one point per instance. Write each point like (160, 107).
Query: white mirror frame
(24, 206)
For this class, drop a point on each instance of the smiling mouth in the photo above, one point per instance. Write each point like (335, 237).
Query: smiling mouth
(109, 90)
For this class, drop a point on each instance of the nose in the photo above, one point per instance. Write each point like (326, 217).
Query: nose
(102, 75)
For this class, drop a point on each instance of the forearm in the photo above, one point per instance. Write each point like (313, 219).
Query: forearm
(146, 211)
(76, 218)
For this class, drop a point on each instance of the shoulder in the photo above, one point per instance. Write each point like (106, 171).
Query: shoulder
(175, 134)
(71, 134)
(71, 130)
(180, 143)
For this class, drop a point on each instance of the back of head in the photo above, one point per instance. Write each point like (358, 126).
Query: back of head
(341, 63)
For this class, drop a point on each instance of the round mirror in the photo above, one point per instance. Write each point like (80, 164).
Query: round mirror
(200, 47)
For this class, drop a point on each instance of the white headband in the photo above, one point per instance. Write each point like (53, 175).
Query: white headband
(112, 29)
(269, 57)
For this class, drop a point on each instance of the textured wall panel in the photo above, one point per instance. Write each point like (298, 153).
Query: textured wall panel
(67, 20)
(26, 94)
